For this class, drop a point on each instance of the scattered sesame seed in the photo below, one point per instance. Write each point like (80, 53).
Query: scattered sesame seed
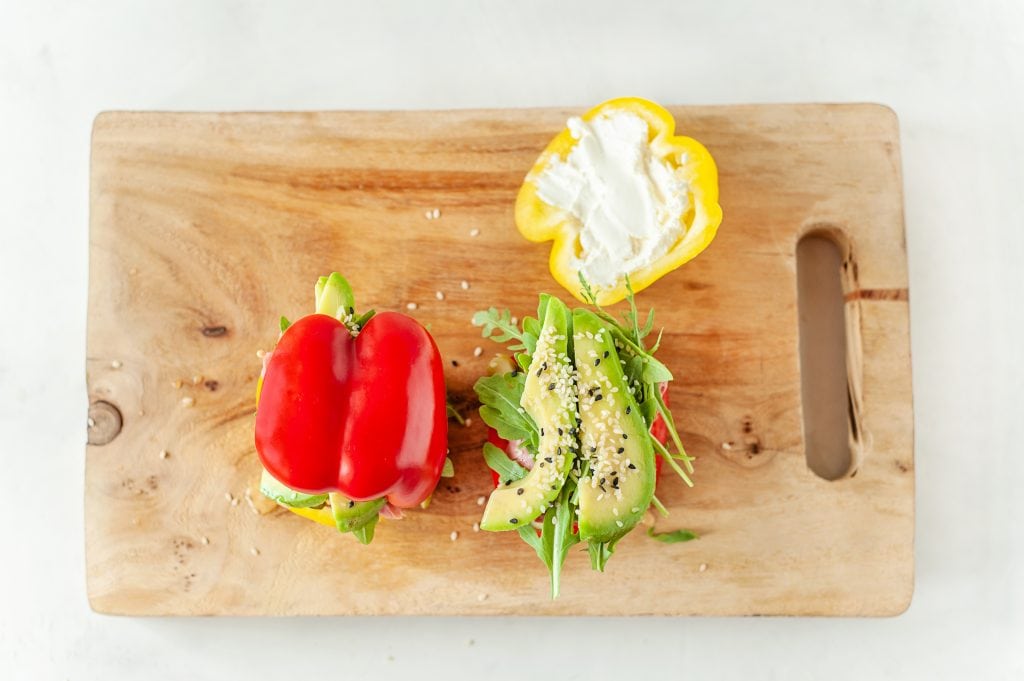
(437, 213)
(259, 353)
(520, 491)
(91, 421)
(439, 295)
(481, 500)
(254, 551)
(116, 364)
(188, 401)
(703, 567)
(618, 523)
(464, 284)
(477, 351)
(205, 540)
(454, 535)
(234, 502)
(726, 446)
(476, 527)
(411, 306)
(481, 598)
(164, 454)
(197, 379)
(474, 232)
(227, 496)
(513, 521)
(514, 320)
(469, 422)
(635, 509)
(176, 383)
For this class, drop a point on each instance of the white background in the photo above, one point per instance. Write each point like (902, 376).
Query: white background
(954, 72)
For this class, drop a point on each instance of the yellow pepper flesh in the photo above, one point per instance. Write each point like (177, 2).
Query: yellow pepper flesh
(539, 221)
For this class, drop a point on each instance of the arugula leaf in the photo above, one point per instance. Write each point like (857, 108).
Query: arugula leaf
(672, 537)
(449, 468)
(498, 327)
(499, 407)
(364, 534)
(529, 535)
(453, 413)
(498, 461)
(600, 552)
(563, 538)
(361, 320)
(285, 324)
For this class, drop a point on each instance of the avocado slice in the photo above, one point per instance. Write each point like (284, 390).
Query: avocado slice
(352, 515)
(272, 488)
(549, 397)
(619, 484)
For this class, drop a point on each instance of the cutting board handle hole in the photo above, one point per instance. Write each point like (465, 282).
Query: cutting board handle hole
(831, 430)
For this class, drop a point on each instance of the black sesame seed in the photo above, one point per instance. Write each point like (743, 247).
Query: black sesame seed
(559, 431)
(538, 373)
(601, 481)
(597, 361)
(351, 310)
(513, 521)
(606, 354)
(628, 408)
(455, 363)
(351, 503)
(549, 459)
(620, 450)
(591, 391)
(625, 437)
(514, 373)
(542, 431)
(603, 489)
(593, 449)
(507, 483)
(541, 465)
(520, 491)
(631, 467)
(544, 366)
(551, 386)
(598, 397)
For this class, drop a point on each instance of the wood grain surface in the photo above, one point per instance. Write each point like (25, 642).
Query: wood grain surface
(205, 228)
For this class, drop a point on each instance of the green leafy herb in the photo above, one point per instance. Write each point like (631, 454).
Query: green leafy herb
(558, 523)
(497, 326)
(284, 324)
(449, 468)
(361, 320)
(453, 413)
(600, 552)
(671, 537)
(498, 461)
(499, 407)
(365, 533)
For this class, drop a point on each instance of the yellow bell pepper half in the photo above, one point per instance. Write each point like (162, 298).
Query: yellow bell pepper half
(539, 221)
(323, 515)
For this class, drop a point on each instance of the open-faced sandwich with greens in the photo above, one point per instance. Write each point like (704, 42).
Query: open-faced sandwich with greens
(578, 426)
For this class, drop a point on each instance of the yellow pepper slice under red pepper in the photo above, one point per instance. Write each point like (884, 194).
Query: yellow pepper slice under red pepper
(539, 221)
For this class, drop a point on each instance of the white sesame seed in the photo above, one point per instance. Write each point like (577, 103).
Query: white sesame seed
(254, 551)
(476, 527)
(618, 523)
(454, 535)
(429, 215)
(436, 213)
(726, 446)
(615, 510)
(703, 567)
(477, 351)
(116, 364)
(469, 422)
(176, 383)
(197, 379)
(464, 284)
(205, 540)
(514, 320)
(259, 353)
(439, 295)
(228, 497)
(474, 232)
(635, 509)
(91, 421)
(164, 454)
(481, 598)
(481, 500)
(234, 502)
(188, 401)
(411, 306)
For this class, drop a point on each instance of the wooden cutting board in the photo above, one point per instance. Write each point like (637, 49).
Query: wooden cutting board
(205, 228)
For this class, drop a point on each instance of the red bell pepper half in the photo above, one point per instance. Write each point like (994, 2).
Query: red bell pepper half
(354, 405)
